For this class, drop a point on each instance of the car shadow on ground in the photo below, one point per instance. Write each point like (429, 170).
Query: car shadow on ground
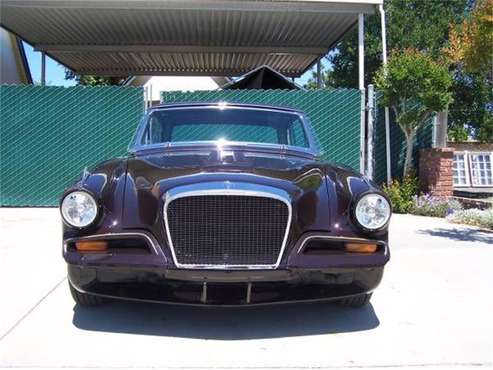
(468, 235)
(225, 323)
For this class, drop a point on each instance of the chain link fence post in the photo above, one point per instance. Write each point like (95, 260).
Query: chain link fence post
(370, 132)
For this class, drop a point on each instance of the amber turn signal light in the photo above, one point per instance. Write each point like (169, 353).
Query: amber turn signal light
(361, 248)
(91, 246)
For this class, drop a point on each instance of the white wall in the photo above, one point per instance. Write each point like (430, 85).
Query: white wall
(178, 83)
(11, 72)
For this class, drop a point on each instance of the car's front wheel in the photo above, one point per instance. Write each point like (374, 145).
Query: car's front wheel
(84, 299)
(356, 301)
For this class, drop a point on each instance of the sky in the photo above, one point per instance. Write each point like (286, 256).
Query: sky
(55, 73)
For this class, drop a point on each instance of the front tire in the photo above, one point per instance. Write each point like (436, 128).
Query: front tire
(84, 299)
(356, 301)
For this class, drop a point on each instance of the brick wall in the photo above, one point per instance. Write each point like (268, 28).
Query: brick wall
(436, 171)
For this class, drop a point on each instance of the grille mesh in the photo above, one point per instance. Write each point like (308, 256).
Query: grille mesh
(227, 229)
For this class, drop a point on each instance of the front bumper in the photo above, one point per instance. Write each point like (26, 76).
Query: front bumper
(199, 287)
(154, 277)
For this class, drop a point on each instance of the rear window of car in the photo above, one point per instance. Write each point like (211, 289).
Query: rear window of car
(225, 124)
(230, 132)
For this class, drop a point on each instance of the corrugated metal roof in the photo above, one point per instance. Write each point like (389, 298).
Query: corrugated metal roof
(208, 37)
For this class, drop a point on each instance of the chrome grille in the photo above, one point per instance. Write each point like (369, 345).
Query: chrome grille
(227, 230)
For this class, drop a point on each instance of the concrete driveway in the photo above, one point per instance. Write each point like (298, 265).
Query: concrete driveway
(434, 309)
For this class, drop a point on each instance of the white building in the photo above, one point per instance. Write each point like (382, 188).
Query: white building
(13, 64)
(153, 85)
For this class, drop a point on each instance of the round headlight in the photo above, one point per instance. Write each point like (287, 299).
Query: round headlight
(372, 211)
(79, 209)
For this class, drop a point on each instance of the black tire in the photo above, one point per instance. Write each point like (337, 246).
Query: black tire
(356, 301)
(84, 299)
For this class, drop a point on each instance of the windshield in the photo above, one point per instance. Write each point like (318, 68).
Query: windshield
(224, 124)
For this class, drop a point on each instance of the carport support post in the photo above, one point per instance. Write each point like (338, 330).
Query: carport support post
(43, 68)
(387, 114)
(361, 70)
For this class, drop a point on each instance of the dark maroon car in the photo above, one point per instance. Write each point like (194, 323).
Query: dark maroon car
(225, 204)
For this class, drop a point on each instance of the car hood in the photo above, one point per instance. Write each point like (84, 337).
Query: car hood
(132, 191)
(151, 176)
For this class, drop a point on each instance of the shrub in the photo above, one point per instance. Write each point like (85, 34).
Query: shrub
(474, 217)
(427, 205)
(414, 86)
(401, 193)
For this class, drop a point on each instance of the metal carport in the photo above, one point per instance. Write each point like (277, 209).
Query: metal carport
(193, 37)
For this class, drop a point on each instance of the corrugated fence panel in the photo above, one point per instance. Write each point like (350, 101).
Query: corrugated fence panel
(335, 114)
(397, 144)
(49, 134)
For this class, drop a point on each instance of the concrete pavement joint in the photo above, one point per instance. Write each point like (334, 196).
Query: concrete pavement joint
(32, 309)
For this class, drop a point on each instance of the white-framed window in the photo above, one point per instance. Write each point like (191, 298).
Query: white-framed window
(460, 169)
(481, 171)
(473, 169)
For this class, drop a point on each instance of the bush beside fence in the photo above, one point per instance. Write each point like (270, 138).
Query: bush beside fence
(397, 145)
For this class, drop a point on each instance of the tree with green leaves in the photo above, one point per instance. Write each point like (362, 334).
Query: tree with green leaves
(470, 51)
(89, 80)
(471, 42)
(414, 86)
(312, 81)
(471, 113)
(417, 24)
(463, 28)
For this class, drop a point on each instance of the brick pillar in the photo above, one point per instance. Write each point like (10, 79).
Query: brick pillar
(436, 171)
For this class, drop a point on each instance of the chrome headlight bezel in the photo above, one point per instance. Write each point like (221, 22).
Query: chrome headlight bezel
(64, 207)
(380, 225)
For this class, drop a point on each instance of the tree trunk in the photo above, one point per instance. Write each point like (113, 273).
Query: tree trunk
(408, 162)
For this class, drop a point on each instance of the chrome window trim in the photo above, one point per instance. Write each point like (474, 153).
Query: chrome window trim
(227, 188)
(153, 245)
(226, 145)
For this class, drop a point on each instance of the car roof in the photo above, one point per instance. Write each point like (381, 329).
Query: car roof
(208, 104)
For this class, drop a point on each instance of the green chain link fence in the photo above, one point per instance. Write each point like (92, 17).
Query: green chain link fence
(334, 114)
(49, 134)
